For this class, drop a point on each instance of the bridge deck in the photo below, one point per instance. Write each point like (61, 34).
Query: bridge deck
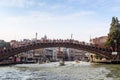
(11, 51)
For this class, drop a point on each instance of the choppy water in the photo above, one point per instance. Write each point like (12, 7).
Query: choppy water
(52, 71)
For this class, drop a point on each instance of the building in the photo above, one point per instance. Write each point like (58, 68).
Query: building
(100, 41)
(78, 55)
(48, 54)
(4, 44)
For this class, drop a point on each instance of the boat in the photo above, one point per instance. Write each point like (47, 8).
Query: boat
(77, 61)
(61, 63)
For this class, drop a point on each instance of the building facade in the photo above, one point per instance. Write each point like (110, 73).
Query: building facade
(100, 41)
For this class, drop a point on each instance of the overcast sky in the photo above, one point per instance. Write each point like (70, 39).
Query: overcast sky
(21, 19)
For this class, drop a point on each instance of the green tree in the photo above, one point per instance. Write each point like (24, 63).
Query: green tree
(113, 40)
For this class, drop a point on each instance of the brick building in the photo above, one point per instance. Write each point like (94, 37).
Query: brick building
(100, 41)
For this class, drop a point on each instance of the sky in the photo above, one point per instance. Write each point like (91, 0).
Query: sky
(58, 19)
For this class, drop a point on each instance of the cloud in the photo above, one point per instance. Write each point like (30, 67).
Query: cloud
(12, 3)
(21, 3)
(42, 4)
(116, 8)
(55, 26)
(84, 13)
(82, 1)
(58, 6)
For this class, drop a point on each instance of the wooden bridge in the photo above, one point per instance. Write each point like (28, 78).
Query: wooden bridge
(104, 52)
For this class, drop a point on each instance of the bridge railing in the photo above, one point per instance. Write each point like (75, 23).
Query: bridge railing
(61, 41)
(19, 44)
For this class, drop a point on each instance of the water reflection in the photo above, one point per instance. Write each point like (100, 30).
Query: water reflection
(52, 71)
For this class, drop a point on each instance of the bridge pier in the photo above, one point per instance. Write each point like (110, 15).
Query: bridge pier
(91, 58)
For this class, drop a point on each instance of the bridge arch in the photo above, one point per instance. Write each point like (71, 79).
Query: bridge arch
(55, 43)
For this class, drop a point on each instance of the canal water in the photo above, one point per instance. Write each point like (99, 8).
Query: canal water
(53, 71)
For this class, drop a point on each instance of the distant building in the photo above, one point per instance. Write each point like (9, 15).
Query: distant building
(78, 55)
(44, 38)
(2, 41)
(4, 44)
(48, 53)
(100, 41)
(13, 43)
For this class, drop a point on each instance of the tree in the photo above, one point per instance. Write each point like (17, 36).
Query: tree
(113, 40)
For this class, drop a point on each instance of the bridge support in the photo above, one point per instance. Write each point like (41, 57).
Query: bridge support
(91, 58)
